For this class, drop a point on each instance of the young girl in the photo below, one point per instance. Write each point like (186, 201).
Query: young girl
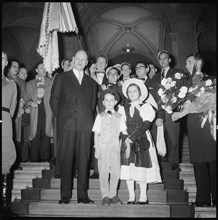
(138, 154)
(107, 127)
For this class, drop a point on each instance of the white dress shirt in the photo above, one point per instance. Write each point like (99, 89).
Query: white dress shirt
(79, 75)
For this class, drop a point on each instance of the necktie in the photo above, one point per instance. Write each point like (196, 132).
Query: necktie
(80, 77)
(163, 73)
(109, 112)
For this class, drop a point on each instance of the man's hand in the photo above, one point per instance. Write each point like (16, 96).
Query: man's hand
(103, 86)
(159, 122)
(175, 116)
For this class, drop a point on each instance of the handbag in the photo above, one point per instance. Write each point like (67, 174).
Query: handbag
(160, 142)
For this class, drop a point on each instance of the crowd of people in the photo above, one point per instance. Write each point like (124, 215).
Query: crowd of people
(107, 119)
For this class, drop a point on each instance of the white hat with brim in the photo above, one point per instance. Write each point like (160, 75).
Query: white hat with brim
(117, 66)
(139, 83)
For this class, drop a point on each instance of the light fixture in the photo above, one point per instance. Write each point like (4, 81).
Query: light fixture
(127, 48)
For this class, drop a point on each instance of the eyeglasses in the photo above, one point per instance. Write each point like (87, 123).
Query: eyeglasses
(139, 67)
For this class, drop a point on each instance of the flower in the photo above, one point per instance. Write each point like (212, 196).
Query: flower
(169, 109)
(160, 92)
(190, 89)
(167, 85)
(184, 89)
(208, 82)
(181, 95)
(169, 79)
(202, 89)
(164, 98)
(174, 99)
(163, 81)
(178, 75)
(173, 83)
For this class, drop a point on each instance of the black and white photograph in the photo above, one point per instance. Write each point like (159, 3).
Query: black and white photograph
(109, 109)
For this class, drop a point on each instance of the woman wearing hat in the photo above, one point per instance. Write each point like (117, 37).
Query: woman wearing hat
(138, 154)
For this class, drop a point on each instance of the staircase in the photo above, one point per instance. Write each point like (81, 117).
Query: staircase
(187, 175)
(36, 193)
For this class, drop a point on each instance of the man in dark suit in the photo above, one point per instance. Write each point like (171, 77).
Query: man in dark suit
(172, 129)
(73, 102)
(202, 144)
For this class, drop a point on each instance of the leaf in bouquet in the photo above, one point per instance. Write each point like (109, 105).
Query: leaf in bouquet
(204, 102)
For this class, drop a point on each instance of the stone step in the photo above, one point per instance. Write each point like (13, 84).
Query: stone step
(15, 194)
(34, 166)
(190, 188)
(186, 172)
(185, 154)
(186, 166)
(170, 174)
(22, 185)
(31, 172)
(192, 196)
(179, 196)
(94, 183)
(190, 169)
(187, 176)
(166, 174)
(47, 208)
(182, 211)
(27, 176)
(205, 212)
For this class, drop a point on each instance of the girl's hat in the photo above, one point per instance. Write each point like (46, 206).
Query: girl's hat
(139, 83)
(117, 66)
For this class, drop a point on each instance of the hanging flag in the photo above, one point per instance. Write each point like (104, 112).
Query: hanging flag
(57, 17)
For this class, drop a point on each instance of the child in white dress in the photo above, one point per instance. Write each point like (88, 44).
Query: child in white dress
(138, 154)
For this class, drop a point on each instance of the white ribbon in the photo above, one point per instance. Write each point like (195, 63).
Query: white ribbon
(135, 104)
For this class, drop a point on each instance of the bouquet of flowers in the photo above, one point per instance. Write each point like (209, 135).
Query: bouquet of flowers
(172, 92)
(194, 96)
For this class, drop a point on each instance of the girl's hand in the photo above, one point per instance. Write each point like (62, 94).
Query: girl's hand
(127, 150)
(159, 122)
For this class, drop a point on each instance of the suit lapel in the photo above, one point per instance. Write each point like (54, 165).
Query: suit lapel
(73, 79)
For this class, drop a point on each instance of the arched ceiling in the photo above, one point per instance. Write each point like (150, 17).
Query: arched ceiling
(103, 26)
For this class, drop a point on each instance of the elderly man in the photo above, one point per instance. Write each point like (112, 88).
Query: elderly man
(73, 102)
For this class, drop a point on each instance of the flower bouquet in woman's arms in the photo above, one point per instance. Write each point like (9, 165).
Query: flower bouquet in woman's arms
(173, 92)
(200, 98)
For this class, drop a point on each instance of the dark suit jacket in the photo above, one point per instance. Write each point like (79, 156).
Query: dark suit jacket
(153, 89)
(202, 145)
(172, 127)
(73, 104)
